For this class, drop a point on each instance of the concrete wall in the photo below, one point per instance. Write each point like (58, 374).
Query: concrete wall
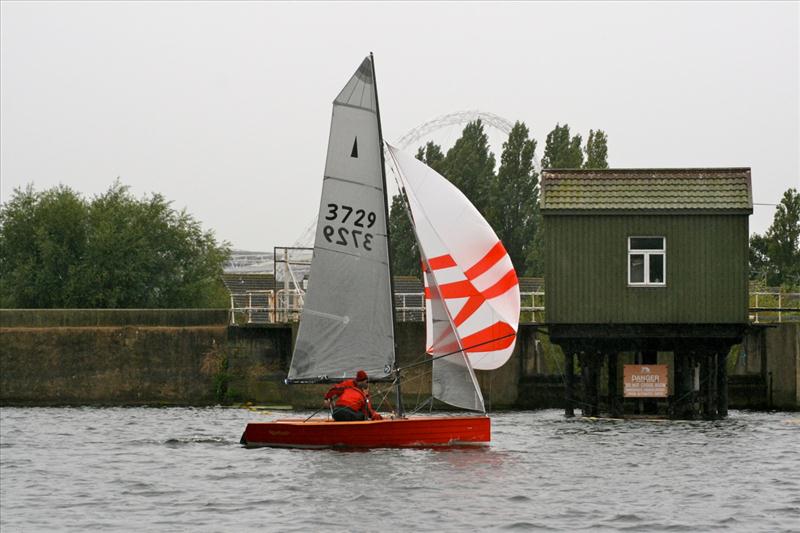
(112, 365)
(783, 364)
(191, 357)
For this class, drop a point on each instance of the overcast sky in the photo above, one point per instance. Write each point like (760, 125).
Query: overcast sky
(225, 108)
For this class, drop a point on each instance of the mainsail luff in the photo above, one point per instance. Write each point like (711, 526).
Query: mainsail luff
(397, 382)
(347, 321)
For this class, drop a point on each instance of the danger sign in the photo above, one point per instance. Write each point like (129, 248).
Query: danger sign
(646, 381)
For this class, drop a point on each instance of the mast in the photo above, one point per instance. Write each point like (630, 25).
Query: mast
(398, 395)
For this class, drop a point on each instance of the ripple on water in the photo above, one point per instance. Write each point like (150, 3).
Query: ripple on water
(184, 469)
(525, 526)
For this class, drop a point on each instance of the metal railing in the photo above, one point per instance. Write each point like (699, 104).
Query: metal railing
(774, 306)
(253, 307)
(285, 305)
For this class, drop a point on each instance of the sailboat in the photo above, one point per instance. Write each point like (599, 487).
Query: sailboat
(471, 291)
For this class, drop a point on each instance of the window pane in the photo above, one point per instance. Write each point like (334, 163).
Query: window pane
(647, 243)
(656, 268)
(637, 268)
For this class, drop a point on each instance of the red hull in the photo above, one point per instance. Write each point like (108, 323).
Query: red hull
(402, 433)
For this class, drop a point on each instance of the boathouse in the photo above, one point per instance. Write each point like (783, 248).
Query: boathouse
(646, 276)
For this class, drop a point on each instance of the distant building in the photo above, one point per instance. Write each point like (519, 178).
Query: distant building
(642, 261)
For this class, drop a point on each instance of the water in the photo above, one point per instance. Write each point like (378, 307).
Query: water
(80, 469)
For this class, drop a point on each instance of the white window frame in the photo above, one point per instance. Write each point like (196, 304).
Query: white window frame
(647, 253)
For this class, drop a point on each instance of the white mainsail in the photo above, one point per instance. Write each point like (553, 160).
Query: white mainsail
(347, 320)
(472, 292)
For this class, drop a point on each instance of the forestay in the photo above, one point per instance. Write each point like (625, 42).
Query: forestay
(347, 321)
(472, 292)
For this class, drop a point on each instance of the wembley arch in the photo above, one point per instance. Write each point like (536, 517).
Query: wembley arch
(458, 118)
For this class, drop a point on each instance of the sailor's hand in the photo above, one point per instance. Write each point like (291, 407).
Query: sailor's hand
(326, 403)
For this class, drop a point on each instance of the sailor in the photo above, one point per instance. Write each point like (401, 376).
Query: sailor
(350, 400)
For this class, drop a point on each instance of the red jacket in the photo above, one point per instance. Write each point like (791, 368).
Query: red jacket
(348, 394)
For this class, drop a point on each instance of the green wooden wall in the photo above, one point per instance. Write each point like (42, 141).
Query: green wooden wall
(586, 272)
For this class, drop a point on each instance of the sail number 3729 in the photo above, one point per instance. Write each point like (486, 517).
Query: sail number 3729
(359, 238)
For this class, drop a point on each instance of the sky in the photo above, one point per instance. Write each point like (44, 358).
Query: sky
(224, 108)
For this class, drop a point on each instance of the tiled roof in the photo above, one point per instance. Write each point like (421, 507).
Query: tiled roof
(681, 189)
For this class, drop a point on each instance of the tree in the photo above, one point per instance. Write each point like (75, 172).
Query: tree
(431, 154)
(596, 150)
(515, 195)
(561, 151)
(42, 240)
(113, 252)
(759, 258)
(782, 244)
(404, 250)
(469, 165)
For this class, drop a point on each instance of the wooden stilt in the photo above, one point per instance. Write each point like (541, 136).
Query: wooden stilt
(614, 405)
(638, 402)
(684, 385)
(595, 362)
(722, 383)
(650, 357)
(677, 388)
(586, 394)
(569, 376)
(706, 385)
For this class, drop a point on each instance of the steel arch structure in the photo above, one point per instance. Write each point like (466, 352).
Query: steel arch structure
(459, 118)
(452, 119)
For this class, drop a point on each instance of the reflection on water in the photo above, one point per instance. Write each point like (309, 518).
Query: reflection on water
(175, 469)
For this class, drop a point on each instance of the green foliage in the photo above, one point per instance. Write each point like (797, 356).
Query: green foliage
(515, 196)
(775, 256)
(759, 260)
(561, 150)
(431, 154)
(59, 250)
(43, 235)
(469, 165)
(405, 254)
(596, 150)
